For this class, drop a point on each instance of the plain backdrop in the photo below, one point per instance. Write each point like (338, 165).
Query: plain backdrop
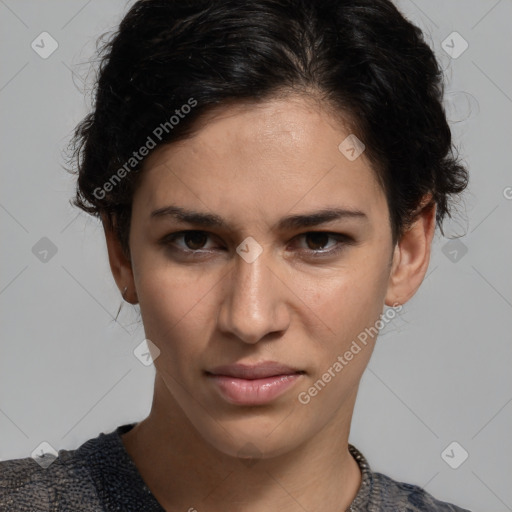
(441, 370)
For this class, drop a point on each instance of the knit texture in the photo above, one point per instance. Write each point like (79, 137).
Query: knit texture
(101, 476)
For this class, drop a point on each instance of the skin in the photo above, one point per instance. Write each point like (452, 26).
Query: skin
(252, 165)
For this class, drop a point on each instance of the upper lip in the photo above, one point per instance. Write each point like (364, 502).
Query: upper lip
(253, 371)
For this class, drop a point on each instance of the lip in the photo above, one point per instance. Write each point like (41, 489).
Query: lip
(254, 371)
(242, 384)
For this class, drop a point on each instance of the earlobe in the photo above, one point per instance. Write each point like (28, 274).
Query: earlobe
(411, 257)
(120, 265)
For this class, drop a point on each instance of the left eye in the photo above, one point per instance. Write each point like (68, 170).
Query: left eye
(318, 240)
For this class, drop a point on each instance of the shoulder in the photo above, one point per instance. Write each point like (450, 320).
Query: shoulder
(23, 486)
(380, 493)
(57, 484)
(410, 498)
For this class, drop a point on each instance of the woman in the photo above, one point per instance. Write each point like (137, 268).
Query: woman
(269, 175)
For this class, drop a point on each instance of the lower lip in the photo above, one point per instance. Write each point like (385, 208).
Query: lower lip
(253, 392)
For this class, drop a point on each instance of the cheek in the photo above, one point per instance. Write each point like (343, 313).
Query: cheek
(176, 306)
(348, 307)
(347, 301)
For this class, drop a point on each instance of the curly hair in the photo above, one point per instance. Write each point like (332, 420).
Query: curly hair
(172, 61)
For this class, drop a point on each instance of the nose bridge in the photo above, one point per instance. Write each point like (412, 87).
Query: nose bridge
(253, 306)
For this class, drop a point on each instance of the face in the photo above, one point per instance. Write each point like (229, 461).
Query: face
(258, 242)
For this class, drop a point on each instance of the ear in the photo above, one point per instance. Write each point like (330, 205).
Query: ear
(412, 256)
(120, 265)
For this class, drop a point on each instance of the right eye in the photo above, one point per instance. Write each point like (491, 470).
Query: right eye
(193, 241)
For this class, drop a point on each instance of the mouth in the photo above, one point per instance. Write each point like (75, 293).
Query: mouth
(241, 384)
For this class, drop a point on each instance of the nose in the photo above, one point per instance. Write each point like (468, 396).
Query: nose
(254, 303)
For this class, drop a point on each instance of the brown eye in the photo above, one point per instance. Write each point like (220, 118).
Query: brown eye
(195, 240)
(190, 241)
(317, 241)
(322, 244)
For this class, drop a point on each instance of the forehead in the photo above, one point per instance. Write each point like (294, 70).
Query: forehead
(273, 156)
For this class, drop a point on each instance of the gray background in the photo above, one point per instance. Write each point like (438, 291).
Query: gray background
(440, 372)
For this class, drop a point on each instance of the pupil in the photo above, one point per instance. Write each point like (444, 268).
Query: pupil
(195, 241)
(320, 238)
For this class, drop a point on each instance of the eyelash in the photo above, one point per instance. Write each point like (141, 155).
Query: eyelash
(342, 239)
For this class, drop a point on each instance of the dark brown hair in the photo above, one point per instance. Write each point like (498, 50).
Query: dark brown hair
(172, 61)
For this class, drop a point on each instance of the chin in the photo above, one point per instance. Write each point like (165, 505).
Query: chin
(251, 437)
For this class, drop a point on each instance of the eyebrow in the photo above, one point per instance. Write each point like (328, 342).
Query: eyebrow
(290, 222)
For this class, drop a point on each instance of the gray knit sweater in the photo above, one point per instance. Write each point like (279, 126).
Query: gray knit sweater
(101, 476)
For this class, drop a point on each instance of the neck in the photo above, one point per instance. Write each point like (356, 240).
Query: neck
(184, 472)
